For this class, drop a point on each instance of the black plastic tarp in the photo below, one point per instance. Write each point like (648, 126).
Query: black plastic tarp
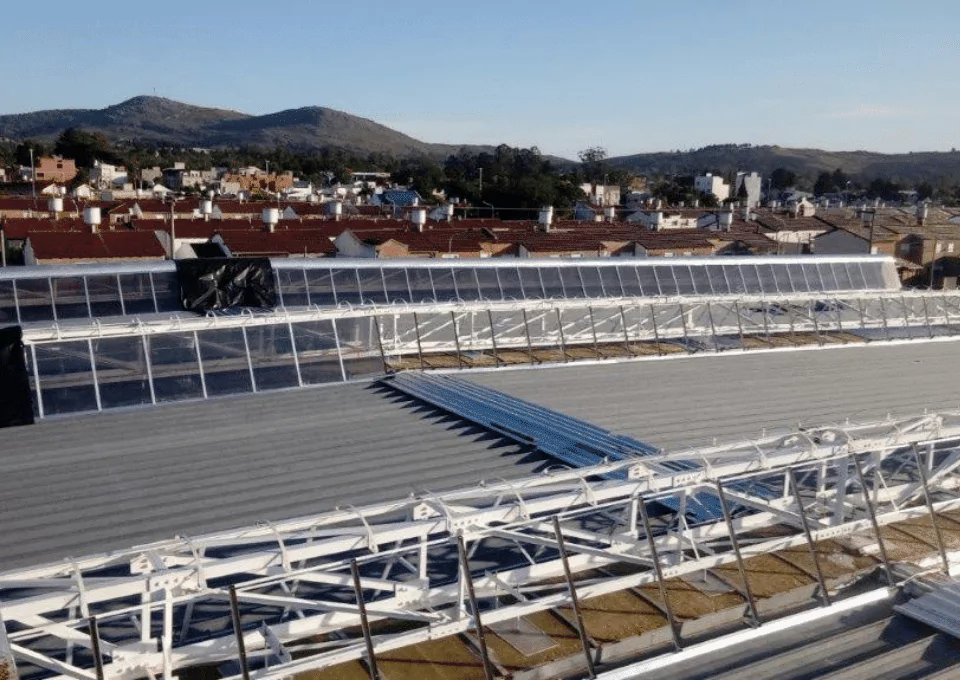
(15, 405)
(221, 283)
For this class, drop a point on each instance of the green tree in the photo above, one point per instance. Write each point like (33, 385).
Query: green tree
(84, 147)
(593, 163)
(781, 179)
(22, 153)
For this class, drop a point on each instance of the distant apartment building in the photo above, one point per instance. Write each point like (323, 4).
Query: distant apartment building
(55, 169)
(658, 220)
(253, 180)
(106, 176)
(601, 194)
(712, 185)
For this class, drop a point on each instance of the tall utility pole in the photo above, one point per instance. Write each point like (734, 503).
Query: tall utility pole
(33, 176)
(173, 228)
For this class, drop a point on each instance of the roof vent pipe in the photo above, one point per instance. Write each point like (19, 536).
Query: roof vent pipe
(725, 219)
(335, 208)
(271, 217)
(55, 206)
(419, 218)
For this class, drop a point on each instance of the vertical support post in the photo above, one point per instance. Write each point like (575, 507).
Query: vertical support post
(581, 630)
(246, 349)
(93, 373)
(238, 632)
(751, 602)
(656, 332)
(364, 621)
(383, 357)
(563, 340)
(883, 316)
(816, 324)
(766, 321)
(873, 519)
(626, 333)
(926, 316)
(493, 338)
(683, 323)
(736, 310)
(475, 610)
(95, 645)
(655, 556)
(456, 339)
(713, 329)
(921, 470)
(416, 330)
(836, 307)
(593, 329)
(821, 581)
(526, 330)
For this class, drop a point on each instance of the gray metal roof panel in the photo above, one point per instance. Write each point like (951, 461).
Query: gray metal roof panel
(689, 401)
(78, 486)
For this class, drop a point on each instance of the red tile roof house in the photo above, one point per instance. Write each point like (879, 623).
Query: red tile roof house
(276, 244)
(75, 247)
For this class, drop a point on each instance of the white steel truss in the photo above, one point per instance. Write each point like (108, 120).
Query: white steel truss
(437, 562)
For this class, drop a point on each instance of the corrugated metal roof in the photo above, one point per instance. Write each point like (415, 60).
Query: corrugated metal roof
(85, 485)
(688, 401)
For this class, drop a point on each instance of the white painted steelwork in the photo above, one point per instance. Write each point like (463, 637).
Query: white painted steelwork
(163, 607)
(71, 361)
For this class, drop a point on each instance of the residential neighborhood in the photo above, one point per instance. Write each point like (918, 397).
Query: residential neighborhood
(173, 212)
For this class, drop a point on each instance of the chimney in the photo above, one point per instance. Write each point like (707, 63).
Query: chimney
(546, 218)
(921, 213)
(610, 213)
(206, 209)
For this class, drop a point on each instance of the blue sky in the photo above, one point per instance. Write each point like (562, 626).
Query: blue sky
(629, 76)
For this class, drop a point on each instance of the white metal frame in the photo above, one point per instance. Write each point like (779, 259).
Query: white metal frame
(366, 341)
(164, 607)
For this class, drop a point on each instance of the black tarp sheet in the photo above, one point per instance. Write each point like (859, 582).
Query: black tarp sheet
(221, 283)
(15, 405)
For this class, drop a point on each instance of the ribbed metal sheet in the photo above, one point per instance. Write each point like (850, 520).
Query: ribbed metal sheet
(690, 401)
(84, 485)
(77, 486)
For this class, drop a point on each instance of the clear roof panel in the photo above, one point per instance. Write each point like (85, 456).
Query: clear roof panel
(57, 293)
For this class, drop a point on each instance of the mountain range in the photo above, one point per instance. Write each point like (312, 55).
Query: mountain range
(917, 166)
(165, 122)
